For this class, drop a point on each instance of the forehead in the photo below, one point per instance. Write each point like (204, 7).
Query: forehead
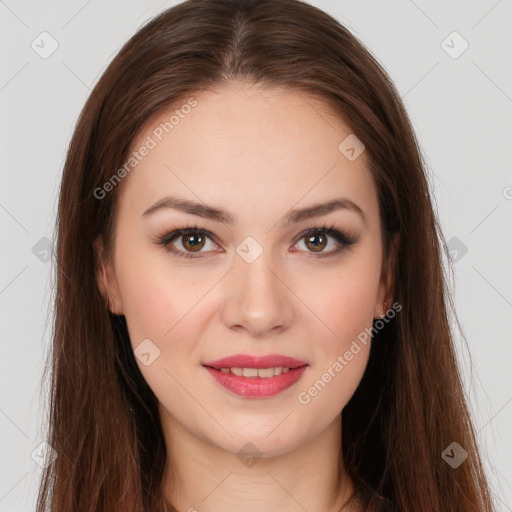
(258, 150)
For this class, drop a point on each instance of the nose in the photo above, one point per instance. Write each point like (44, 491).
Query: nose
(256, 298)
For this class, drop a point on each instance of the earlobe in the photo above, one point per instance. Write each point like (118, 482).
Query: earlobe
(105, 278)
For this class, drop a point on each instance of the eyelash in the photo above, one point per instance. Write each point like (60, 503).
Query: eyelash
(345, 239)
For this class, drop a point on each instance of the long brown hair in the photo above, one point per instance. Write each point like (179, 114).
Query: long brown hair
(410, 405)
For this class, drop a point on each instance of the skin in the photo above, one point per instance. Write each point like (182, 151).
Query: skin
(257, 153)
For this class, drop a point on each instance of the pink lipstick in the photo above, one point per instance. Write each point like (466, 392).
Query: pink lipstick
(256, 376)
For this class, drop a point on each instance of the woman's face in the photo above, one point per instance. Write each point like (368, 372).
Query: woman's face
(242, 169)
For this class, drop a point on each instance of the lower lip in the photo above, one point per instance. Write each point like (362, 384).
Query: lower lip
(254, 387)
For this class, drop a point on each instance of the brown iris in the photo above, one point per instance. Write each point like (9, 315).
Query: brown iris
(316, 246)
(193, 242)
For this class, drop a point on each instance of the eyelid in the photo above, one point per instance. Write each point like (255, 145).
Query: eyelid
(343, 238)
(176, 233)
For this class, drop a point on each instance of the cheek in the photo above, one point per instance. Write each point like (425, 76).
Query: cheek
(160, 307)
(344, 300)
(346, 304)
(157, 301)
(341, 356)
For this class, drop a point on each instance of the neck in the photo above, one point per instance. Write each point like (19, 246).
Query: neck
(201, 476)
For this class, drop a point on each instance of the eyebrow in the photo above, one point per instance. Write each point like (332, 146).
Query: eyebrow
(219, 215)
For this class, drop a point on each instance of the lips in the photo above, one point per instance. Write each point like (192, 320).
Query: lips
(250, 376)
(248, 361)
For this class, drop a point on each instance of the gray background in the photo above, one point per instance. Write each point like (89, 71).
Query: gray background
(460, 106)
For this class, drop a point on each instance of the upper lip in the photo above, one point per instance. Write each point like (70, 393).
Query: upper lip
(249, 361)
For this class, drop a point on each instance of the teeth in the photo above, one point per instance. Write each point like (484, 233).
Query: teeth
(250, 372)
(262, 373)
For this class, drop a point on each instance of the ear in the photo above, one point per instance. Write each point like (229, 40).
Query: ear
(387, 279)
(105, 278)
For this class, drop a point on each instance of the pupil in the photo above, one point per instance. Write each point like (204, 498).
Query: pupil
(193, 241)
(320, 245)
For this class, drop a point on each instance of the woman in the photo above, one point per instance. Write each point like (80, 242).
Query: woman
(251, 308)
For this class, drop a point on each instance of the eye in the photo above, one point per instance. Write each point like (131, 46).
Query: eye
(185, 242)
(190, 241)
(317, 239)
